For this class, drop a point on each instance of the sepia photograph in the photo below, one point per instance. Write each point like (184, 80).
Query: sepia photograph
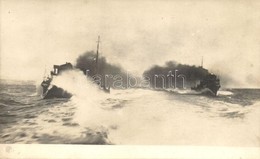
(133, 76)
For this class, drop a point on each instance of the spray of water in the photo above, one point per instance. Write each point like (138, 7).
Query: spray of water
(87, 98)
(138, 116)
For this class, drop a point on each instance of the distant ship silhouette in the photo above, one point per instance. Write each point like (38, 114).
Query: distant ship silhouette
(209, 85)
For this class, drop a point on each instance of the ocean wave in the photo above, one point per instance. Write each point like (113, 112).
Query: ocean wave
(3, 105)
(33, 95)
(132, 116)
(11, 102)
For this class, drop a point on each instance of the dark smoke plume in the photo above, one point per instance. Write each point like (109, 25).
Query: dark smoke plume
(87, 63)
(191, 74)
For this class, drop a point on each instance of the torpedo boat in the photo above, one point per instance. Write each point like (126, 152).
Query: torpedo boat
(52, 91)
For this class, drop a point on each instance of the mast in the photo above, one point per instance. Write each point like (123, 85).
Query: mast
(202, 61)
(97, 54)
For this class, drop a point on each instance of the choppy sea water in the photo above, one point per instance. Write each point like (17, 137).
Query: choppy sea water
(131, 116)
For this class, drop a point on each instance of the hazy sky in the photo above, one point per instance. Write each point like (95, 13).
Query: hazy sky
(135, 34)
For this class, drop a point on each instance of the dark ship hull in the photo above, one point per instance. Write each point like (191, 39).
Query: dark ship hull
(209, 85)
(56, 92)
(53, 91)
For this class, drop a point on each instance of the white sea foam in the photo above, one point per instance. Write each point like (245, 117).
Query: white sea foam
(137, 116)
(224, 93)
(153, 119)
(182, 91)
(87, 98)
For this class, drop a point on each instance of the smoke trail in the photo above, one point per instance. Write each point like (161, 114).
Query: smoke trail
(191, 74)
(87, 63)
